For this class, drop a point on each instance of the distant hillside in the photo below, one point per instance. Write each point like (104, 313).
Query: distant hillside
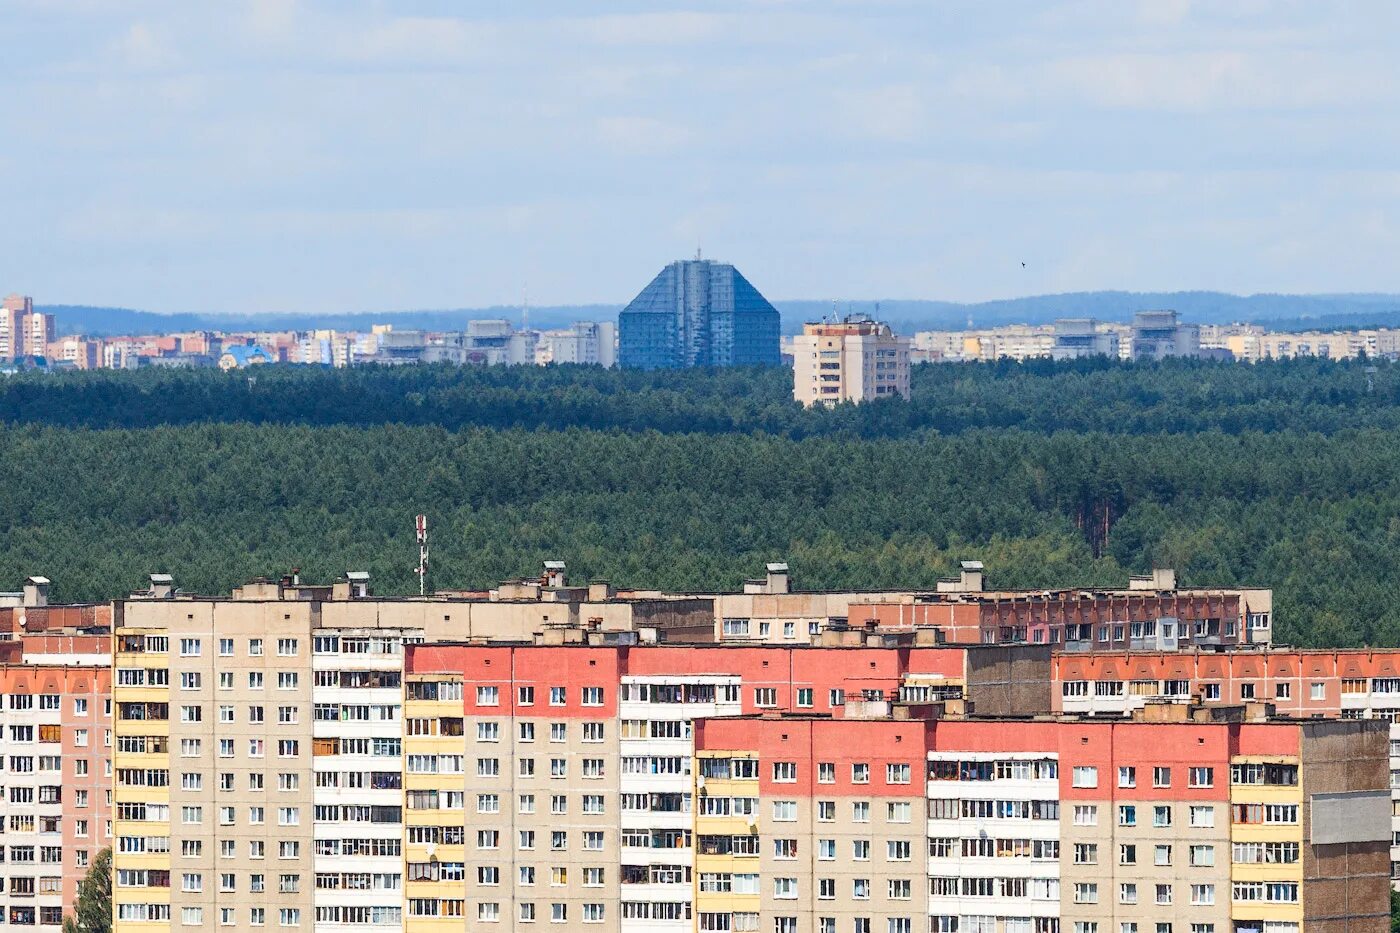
(1282, 312)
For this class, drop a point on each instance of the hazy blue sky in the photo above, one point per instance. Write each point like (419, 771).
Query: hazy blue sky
(283, 156)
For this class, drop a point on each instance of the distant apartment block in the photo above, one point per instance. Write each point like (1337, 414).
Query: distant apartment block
(589, 343)
(1076, 338)
(853, 360)
(24, 331)
(1252, 343)
(1014, 342)
(698, 312)
(1160, 334)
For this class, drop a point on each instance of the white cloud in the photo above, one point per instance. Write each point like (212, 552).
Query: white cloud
(142, 48)
(641, 136)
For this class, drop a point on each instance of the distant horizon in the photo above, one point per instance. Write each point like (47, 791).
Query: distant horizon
(1280, 310)
(49, 307)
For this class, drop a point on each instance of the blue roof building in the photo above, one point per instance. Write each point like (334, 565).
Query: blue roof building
(698, 312)
(240, 355)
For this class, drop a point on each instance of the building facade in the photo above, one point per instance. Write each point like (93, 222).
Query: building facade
(24, 331)
(856, 360)
(698, 312)
(1160, 334)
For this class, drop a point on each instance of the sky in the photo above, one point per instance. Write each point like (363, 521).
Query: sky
(284, 156)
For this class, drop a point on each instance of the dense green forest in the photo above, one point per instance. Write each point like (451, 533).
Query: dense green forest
(1179, 396)
(1316, 516)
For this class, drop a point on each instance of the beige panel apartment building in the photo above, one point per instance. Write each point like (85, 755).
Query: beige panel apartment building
(855, 360)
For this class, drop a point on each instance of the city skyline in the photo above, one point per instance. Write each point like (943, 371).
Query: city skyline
(281, 156)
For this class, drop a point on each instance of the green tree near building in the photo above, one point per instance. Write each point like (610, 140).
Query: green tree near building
(92, 911)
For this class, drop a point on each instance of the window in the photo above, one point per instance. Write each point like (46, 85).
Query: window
(1283, 691)
(1202, 894)
(1162, 815)
(1086, 892)
(804, 697)
(897, 773)
(1164, 894)
(1127, 893)
(1127, 814)
(558, 696)
(1127, 777)
(1318, 691)
(784, 772)
(1162, 855)
(826, 772)
(1086, 814)
(784, 811)
(592, 696)
(765, 696)
(1202, 777)
(1203, 816)
(860, 773)
(1202, 856)
(488, 696)
(1161, 777)
(1085, 776)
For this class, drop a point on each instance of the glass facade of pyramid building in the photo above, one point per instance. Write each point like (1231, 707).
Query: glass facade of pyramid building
(698, 312)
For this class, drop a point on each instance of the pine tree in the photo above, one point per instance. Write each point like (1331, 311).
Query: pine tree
(92, 911)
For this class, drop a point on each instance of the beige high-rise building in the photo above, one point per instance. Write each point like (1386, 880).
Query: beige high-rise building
(855, 360)
(14, 317)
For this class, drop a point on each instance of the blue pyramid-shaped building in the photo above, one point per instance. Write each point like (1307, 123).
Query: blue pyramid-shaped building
(698, 312)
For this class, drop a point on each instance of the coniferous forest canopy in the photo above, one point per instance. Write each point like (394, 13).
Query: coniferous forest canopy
(1281, 474)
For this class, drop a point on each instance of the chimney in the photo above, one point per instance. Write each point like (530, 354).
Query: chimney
(553, 574)
(776, 580)
(36, 591)
(162, 586)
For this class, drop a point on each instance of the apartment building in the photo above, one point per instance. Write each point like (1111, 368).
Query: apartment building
(554, 783)
(259, 765)
(854, 360)
(1358, 684)
(1160, 334)
(313, 756)
(1152, 612)
(24, 331)
(946, 825)
(56, 756)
